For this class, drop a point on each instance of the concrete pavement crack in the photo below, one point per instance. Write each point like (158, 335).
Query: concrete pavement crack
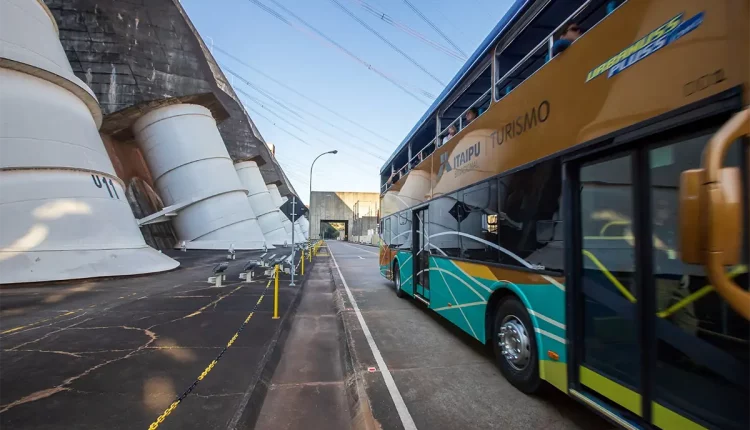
(201, 309)
(50, 324)
(50, 334)
(42, 394)
(208, 396)
(73, 354)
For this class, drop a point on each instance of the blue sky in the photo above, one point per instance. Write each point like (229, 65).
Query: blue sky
(330, 77)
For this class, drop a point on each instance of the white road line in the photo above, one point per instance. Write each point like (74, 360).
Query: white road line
(360, 249)
(403, 411)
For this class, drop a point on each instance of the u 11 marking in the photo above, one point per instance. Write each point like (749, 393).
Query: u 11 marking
(103, 181)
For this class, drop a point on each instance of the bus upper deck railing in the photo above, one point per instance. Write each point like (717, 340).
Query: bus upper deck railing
(459, 122)
(504, 86)
(544, 45)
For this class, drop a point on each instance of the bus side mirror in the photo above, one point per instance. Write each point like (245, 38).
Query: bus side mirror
(722, 202)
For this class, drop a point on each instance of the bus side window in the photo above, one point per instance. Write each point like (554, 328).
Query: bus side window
(528, 200)
(478, 222)
(387, 231)
(404, 228)
(443, 226)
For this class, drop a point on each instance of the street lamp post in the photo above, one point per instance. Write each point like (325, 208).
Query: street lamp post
(294, 214)
(335, 151)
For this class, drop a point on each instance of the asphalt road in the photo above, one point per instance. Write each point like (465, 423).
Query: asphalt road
(447, 380)
(115, 354)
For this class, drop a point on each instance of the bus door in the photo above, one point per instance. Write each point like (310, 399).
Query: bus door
(421, 253)
(652, 343)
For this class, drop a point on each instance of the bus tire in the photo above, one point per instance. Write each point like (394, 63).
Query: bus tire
(397, 282)
(514, 345)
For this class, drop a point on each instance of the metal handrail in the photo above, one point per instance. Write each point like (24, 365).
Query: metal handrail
(541, 44)
(463, 114)
(437, 141)
(547, 40)
(406, 168)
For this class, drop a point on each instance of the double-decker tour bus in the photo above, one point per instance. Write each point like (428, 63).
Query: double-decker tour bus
(581, 205)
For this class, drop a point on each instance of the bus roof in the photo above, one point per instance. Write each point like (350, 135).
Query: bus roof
(510, 17)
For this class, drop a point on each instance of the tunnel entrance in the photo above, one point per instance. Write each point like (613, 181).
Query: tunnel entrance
(334, 229)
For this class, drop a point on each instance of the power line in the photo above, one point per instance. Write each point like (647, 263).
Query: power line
(315, 32)
(408, 30)
(288, 171)
(295, 175)
(270, 97)
(292, 162)
(276, 125)
(281, 117)
(340, 116)
(260, 103)
(274, 98)
(434, 27)
(309, 125)
(387, 42)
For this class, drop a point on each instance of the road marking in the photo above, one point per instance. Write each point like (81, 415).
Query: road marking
(15, 329)
(360, 249)
(361, 257)
(403, 411)
(160, 419)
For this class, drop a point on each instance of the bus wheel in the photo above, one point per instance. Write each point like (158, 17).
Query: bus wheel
(397, 282)
(515, 346)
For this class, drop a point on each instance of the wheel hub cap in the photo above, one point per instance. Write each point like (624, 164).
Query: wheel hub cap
(514, 342)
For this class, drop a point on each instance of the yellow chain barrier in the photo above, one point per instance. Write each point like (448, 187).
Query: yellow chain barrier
(211, 365)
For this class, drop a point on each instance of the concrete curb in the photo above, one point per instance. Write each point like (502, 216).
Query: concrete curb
(252, 401)
(360, 408)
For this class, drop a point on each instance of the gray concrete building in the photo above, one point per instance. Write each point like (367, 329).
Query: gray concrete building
(352, 214)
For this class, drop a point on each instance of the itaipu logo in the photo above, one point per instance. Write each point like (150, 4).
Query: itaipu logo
(445, 165)
(460, 161)
(667, 33)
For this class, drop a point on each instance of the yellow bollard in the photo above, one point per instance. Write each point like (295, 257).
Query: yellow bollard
(302, 262)
(276, 292)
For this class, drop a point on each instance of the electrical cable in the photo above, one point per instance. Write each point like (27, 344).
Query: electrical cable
(276, 125)
(387, 42)
(434, 27)
(408, 30)
(317, 33)
(309, 99)
(260, 103)
(275, 99)
(351, 54)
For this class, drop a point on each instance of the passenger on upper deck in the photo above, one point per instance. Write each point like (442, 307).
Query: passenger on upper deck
(471, 115)
(417, 159)
(569, 35)
(451, 133)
